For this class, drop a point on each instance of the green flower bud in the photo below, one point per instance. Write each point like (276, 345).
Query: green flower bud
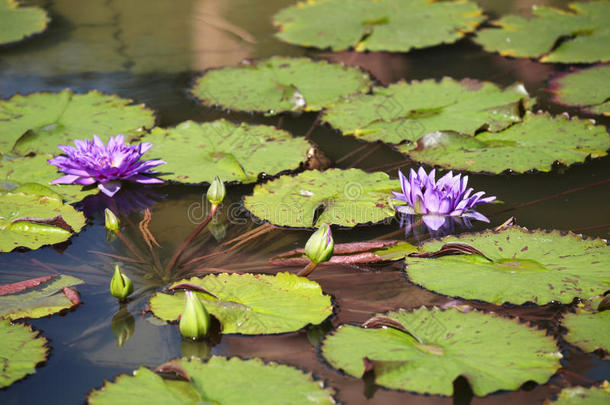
(319, 247)
(111, 221)
(195, 320)
(216, 192)
(120, 285)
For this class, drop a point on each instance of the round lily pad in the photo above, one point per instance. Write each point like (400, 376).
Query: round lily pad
(583, 396)
(408, 111)
(252, 304)
(219, 380)
(41, 121)
(376, 25)
(33, 221)
(21, 350)
(580, 35)
(519, 266)
(534, 144)
(280, 84)
(585, 88)
(588, 330)
(17, 23)
(427, 349)
(196, 153)
(341, 197)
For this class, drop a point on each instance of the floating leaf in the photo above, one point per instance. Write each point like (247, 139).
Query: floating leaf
(253, 304)
(17, 23)
(37, 300)
(534, 144)
(520, 266)
(341, 197)
(407, 111)
(588, 330)
(23, 217)
(583, 396)
(579, 36)
(218, 380)
(376, 25)
(585, 88)
(280, 84)
(41, 121)
(492, 352)
(196, 153)
(21, 350)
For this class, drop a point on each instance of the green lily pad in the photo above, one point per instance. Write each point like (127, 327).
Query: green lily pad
(280, 84)
(340, 197)
(41, 297)
(588, 330)
(519, 266)
(17, 23)
(579, 36)
(252, 304)
(22, 171)
(583, 396)
(407, 111)
(33, 221)
(196, 153)
(534, 144)
(585, 88)
(376, 25)
(41, 121)
(218, 380)
(21, 350)
(427, 349)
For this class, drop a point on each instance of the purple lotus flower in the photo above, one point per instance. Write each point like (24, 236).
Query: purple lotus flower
(437, 199)
(93, 162)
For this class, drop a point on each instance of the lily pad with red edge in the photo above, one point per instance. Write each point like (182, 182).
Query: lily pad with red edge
(17, 23)
(21, 350)
(588, 89)
(596, 395)
(426, 350)
(519, 266)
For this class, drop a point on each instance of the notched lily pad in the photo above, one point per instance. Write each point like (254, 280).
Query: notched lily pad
(425, 350)
(21, 350)
(252, 304)
(588, 329)
(519, 266)
(280, 84)
(17, 23)
(583, 396)
(585, 88)
(376, 25)
(196, 153)
(580, 35)
(534, 144)
(407, 111)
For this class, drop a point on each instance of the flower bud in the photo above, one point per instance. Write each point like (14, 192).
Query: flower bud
(111, 221)
(123, 325)
(216, 192)
(195, 320)
(120, 285)
(319, 247)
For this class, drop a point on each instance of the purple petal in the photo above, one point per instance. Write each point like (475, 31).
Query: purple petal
(140, 178)
(69, 179)
(434, 222)
(110, 188)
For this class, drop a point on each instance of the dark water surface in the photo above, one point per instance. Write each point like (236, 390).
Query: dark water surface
(150, 51)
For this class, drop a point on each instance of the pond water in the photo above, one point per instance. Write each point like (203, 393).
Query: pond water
(151, 52)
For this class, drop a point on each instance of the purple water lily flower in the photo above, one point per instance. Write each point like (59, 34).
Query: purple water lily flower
(449, 196)
(93, 162)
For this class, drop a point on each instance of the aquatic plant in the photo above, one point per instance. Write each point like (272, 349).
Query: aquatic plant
(195, 320)
(120, 285)
(319, 248)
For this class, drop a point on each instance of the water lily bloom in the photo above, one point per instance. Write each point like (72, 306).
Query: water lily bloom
(435, 200)
(91, 162)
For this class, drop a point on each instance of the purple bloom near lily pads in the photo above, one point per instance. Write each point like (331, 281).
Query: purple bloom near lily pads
(91, 162)
(435, 200)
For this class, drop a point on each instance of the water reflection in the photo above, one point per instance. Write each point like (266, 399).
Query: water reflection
(423, 227)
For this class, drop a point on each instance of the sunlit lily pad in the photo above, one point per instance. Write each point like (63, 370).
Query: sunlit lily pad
(21, 350)
(376, 25)
(534, 144)
(341, 197)
(17, 23)
(583, 396)
(519, 266)
(408, 111)
(280, 84)
(196, 153)
(578, 36)
(218, 380)
(252, 304)
(427, 349)
(35, 298)
(33, 221)
(41, 121)
(588, 330)
(585, 88)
